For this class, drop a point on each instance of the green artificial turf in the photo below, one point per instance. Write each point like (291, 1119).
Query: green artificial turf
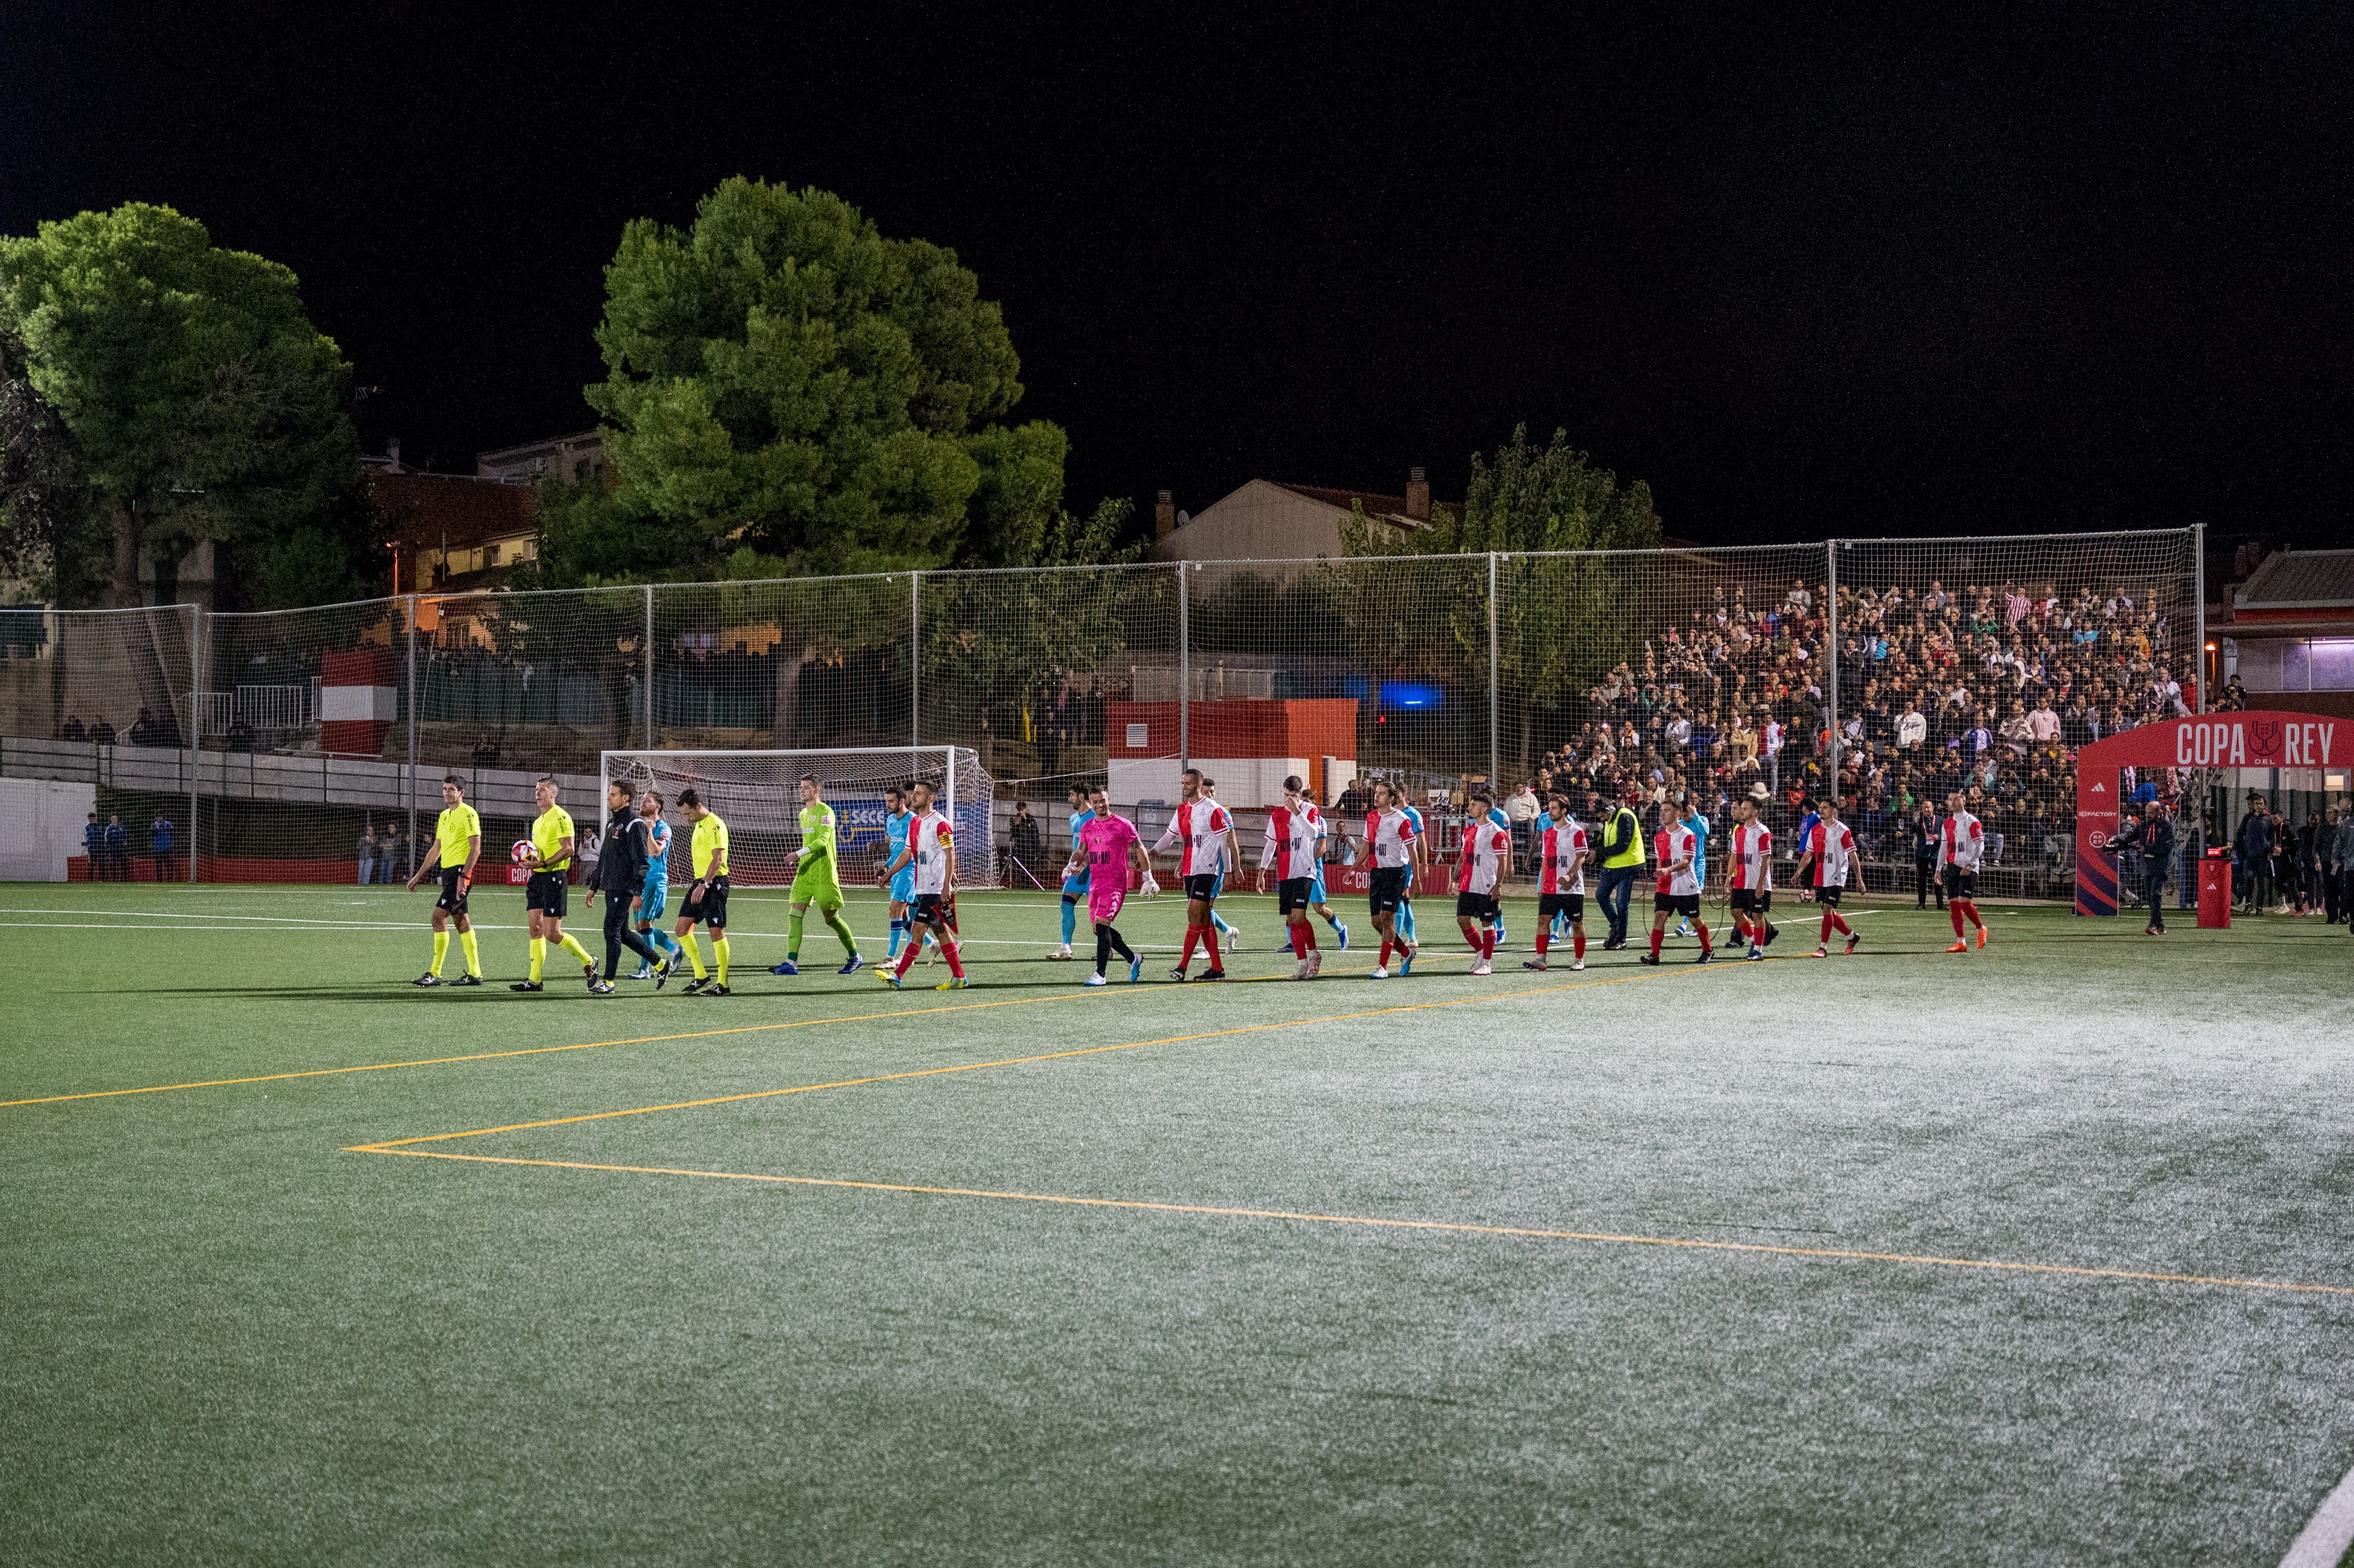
(229, 1339)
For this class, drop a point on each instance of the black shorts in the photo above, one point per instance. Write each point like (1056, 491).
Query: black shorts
(1831, 894)
(1549, 904)
(455, 885)
(1202, 889)
(548, 892)
(1294, 894)
(1752, 900)
(933, 909)
(1685, 903)
(1477, 906)
(1960, 883)
(709, 906)
(1388, 889)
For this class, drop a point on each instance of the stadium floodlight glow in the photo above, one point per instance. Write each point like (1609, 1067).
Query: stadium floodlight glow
(756, 794)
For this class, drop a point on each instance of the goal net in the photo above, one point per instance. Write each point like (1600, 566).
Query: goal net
(757, 795)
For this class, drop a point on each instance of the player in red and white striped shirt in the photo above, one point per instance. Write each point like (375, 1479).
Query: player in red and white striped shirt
(1830, 848)
(1561, 850)
(1752, 877)
(1486, 861)
(1389, 847)
(1288, 855)
(1205, 834)
(1961, 848)
(1676, 850)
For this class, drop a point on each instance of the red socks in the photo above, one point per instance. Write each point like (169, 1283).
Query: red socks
(1488, 942)
(949, 952)
(1193, 939)
(1386, 944)
(1953, 908)
(1545, 941)
(1303, 938)
(1971, 907)
(1657, 932)
(1705, 945)
(1578, 937)
(1210, 944)
(1832, 922)
(908, 956)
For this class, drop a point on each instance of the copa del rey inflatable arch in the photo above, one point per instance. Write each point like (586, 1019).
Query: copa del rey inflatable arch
(2264, 739)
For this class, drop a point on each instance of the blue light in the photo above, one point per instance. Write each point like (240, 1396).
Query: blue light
(1404, 694)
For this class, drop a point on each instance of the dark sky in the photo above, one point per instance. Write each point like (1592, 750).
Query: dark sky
(2079, 266)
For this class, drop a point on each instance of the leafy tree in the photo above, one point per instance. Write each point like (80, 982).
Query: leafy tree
(786, 381)
(1566, 611)
(199, 401)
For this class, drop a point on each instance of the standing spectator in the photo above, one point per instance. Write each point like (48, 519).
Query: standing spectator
(159, 846)
(367, 856)
(392, 849)
(94, 847)
(71, 729)
(1921, 833)
(118, 847)
(2253, 846)
(1029, 844)
(101, 732)
(2153, 834)
(2345, 861)
(1622, 857)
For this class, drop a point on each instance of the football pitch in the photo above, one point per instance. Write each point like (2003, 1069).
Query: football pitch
(2041, 1253)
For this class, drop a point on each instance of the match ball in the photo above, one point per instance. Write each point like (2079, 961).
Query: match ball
(521, 853)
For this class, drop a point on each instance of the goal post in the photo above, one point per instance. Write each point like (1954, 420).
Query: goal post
(757, 795)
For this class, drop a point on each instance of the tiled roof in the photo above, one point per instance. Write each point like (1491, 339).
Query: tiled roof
(1375, 505)
(428, 509)
(2300, 579)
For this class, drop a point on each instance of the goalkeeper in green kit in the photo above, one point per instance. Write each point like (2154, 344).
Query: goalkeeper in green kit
(817, 882)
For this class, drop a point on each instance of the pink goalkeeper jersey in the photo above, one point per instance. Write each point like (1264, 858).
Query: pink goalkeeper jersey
(1104, 849)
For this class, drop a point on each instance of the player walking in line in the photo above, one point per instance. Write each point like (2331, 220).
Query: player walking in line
(1075, 884)
(1831, 851)
(1288, 855)
(818, 881)
(1205, 833)
(1545, 818)
(898, 817)
(621, 877)
(931, 851)
(1415, 866)
(1231, 937)
(1317, 899)
(1107, 846)
(1563, 848)
(1390, 836)
(456, 845)
(1676, 849)
(1961, 848)
(653, 894)
(1486, 859)
(1697, 820)
(545, 895)
(1752, 879)
(706, 899)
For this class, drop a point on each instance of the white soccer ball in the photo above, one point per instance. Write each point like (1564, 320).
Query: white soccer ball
(521, 853)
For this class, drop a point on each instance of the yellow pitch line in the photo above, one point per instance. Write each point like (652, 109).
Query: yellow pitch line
(977, 1066)
(1454, 1226)
(544, 1050)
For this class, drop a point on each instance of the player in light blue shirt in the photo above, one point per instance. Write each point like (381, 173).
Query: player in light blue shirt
(1075, 888)
(1496, 815)
(654, 893)
(1226, 933)
(1405, 924)
(897, 820)
(1697, 820)
(1315, 899)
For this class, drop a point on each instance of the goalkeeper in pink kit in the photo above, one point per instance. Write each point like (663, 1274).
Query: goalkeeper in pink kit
(1107, 847)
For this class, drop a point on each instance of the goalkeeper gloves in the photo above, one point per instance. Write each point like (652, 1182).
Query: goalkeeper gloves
(1148, 889)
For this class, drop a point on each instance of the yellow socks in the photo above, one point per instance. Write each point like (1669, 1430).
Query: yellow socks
(441, 951)
(474, 955)
(538, 957)
(572, 944)
(693, 953)
(719, 957)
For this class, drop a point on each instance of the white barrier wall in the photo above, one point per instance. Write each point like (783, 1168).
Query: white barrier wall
(41, 822)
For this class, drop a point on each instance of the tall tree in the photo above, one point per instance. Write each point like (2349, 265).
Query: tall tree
(200, 403)
(784, 380)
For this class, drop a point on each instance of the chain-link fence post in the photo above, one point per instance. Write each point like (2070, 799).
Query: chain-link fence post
(1495, 774)
(195, 722)
(915, 659)
(1184, 675)
(2199, 608)
(650, 666)
(1831, 658)
(415, 697)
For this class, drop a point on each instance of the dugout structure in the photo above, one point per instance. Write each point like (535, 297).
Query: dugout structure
(2269, 739)
(757, 795)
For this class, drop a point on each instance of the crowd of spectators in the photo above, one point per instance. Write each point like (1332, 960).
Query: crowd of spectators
(1988, 688)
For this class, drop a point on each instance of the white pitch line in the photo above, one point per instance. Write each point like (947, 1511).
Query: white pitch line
(2323, 1542)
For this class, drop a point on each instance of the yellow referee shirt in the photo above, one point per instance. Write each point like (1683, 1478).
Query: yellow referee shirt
(710, 848)
(548, 833)
(452, 830)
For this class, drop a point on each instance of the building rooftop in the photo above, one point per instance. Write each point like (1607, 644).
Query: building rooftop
(2300, 579)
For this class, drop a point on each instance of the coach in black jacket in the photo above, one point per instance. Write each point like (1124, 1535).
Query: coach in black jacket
(1921, 833)
(620, 873)
(2153, 834)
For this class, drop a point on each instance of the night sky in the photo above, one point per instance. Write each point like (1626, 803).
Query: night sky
(2065, 267)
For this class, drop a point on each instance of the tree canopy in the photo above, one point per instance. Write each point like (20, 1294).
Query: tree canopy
(188, 397)
(792, 392)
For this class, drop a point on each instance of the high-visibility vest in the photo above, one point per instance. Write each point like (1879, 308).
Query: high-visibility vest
(1633, 854)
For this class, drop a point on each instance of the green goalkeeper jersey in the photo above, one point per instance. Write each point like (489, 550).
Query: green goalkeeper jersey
(817, 843)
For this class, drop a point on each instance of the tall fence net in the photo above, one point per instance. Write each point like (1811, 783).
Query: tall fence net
(310, 745)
